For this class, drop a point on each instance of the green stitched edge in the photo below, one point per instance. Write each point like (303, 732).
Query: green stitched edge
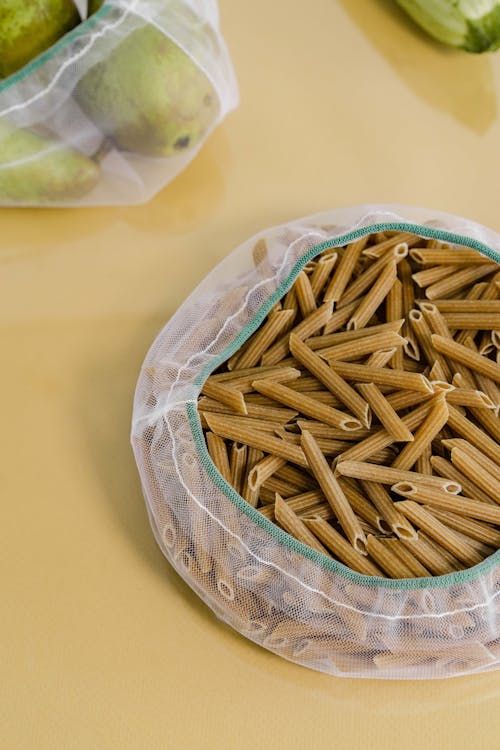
(44, 57)
(274, 531)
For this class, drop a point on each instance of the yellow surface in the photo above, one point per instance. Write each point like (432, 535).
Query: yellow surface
(103, 646)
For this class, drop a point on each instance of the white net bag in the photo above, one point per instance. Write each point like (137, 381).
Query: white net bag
(116, 108)
(273, 589)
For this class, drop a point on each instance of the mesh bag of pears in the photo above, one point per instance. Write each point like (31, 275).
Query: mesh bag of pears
(106, 102)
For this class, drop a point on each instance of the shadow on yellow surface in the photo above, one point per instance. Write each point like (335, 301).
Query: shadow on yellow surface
(450, 80)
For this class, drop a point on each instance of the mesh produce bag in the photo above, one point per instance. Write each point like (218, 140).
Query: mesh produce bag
(116, 108)
(273, 589)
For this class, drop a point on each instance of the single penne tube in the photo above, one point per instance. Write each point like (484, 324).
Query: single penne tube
(358, 348)
(381, 358)
(382, 376)
(280, 486)
(295, 527)
(437, 563)
(307, 327)
(389, 475)
(412, 563)
(480, 306)
(218, 453)
(322, 510)
(423, 462)
(248, 374)
(430, 427)
(264, 469)
(363, 507)
(468, 465)
(307, 405)
(464, 445)
(387, 416)
(251, 495)
(381, 247)
(339, 318)
(275, 374)
(237, 464)
(322, 430)
(432, 275)
(333, 492)
(301, 479)
(363, 282)
(469, 397)
(385, 558)
(342, 337)
(490, 389)
(306, 383)
(404, 399)
(394, 312)
(439, 532)
(256, 439)
(458, 280)
(344, 270)
(264, 425)
(255, 411)
(305, 296)
(332, 380)
(473, 434)
(424, 256)
(404, 274)
(276, 324)
(488, 420)
(445, 468)
(322, 271)
(474, 529)
(341, 549)
(298, 503)
(383, 503)
(373, 298)
(473, 320)
(329, 447)
(290, 301)
(381, 439)
(423, 334)
(226, 395)
(462, 506)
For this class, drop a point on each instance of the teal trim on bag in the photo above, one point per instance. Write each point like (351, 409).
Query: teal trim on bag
(44, 57)
(450, 579)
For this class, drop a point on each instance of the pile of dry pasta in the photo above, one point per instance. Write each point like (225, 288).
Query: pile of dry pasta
(362, 415)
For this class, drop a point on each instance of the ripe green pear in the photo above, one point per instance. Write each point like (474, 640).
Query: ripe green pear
(37, 170)
(28, 27)
(148, 96)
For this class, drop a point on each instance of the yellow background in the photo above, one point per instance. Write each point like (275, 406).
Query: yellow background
(103, 646)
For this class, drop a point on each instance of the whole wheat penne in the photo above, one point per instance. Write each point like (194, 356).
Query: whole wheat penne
(471, 398)
(383, 503)
(264, 469)
(452, 256)
(261, 440)
(480, 306)
(385, 558)
(458, 280)
(248, 374)
(405, 555)
(322, 271)
(341, 549)
(254, 456)
(237, 463)
(462, 506)
(225, 394)
(276, 324)
(297, 528)
(301, 479)
(404, 274)
(445, 468)
(329, 447)
(298, 503)
(276, 414)
(381, 439)
(387, 416)
(439, 532)
(307, 405)
(358, 287)
(280, 486)
(394, 312)
(358, 348)
(423, 335)
(339, 318)
(333, 339)
(333, 492)
(473, 434)
(373, 298)
(467, 447)
(403, 399)
(307, 327)
(344, 270)
(432, 275)
(264, 425)
(375, 251)
(331, 380)
(381, 359)
(428, 555)
(322, 510)
(389, 475)
(243, 383)
(474, 529)
(484, 550)
(218, 453)
(306, 383)
(322, 430)
(382, 376)
(477, 473)
(430, 427)
(423, 462)
(290, 301)
(305, 296)
(473, 320)
(488, 420)
(362, 507)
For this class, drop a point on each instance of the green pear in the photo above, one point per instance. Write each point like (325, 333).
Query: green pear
(35, 169)
(93, 6)
(28, 27)
(148, 96)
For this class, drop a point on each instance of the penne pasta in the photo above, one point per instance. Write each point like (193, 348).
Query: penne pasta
(275, 325)
(340, 548)
(297, 528)
(384, 557)
(389, 475)
(344, 270)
